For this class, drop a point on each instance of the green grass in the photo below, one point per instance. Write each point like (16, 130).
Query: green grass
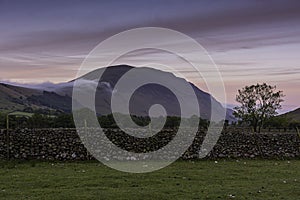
(246, 179)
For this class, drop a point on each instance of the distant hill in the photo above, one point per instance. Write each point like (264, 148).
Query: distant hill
(293, 115)
(59, 97)
(15, 97)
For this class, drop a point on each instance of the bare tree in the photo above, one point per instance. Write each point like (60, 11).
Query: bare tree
(258, 103)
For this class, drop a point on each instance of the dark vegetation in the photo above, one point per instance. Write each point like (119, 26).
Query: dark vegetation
(63, 120)
(37, 121)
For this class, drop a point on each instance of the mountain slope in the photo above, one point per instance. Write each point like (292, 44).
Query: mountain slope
(58, 97)
(146, 96)
(293, 115)
(14, 97)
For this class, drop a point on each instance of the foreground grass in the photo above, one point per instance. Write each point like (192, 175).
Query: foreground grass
(224, 179)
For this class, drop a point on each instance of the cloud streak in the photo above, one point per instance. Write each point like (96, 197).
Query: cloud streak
(250, 41)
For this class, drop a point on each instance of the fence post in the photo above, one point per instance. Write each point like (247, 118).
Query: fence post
(7, 137)
(85, 130)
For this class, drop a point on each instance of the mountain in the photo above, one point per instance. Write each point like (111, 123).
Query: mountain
(14, 97)
(58, 97)
(293, 115)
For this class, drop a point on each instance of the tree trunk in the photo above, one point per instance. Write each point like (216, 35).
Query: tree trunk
(255, 127)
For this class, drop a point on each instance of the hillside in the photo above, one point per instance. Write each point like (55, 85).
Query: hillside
(14, 97)
(59, 97)
(293, 115)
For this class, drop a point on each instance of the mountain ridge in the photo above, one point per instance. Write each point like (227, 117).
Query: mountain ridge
(59, 97)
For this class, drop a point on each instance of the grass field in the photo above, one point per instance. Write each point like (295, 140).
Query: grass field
(223, 179)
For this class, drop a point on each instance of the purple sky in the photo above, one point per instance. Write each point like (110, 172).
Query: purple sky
(250, 41)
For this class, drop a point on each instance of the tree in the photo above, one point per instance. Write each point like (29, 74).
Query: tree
(258, 103)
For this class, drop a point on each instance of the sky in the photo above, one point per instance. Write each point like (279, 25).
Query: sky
(250, 41)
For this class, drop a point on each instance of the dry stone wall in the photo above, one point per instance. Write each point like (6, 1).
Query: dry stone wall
(65, 144)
